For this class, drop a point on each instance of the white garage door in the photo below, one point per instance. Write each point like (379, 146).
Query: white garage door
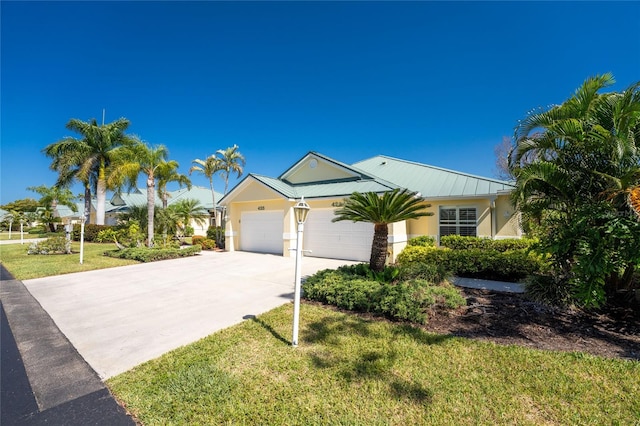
(340, 240)
(261, 231)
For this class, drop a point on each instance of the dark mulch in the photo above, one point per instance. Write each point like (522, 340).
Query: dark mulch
(507, 318)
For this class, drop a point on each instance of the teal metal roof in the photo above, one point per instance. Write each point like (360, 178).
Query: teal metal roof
(430, 181)
(200, 193)
(382, 173)
(323, 189)
(64, 211)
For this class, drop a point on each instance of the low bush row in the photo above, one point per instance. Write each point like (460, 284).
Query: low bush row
(405, 300)
(490, 264)
(457, 242)
(53, 245)
(144, 254)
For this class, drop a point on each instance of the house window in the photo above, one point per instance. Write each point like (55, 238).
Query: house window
(458, 221)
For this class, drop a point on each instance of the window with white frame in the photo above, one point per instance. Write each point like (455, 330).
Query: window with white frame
(459, 221)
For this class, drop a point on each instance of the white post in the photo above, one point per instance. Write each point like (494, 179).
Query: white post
(84, 217)
(10, 226)
(21, 234)
(296, 297)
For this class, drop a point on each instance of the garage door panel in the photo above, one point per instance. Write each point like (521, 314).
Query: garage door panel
(339, 240)
(261, 232)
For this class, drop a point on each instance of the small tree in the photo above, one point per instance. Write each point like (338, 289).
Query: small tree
(393, 206)
(49, 200)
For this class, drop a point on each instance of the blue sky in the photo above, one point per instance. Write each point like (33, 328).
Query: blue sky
(435, 82)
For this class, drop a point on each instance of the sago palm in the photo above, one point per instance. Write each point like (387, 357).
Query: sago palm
(381, 210)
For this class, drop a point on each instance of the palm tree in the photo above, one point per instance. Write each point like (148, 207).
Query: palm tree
(231, 161)
(586, 170)
(168, 172)
(184, 211)
(88, 158)
(586, 148)
(208, 168)
(392, 206)
(129, 162)
(49, 200)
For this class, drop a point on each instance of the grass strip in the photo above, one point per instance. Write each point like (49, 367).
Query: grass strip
(355, 371)
(14, 257)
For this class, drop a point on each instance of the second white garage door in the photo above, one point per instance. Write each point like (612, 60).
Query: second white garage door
(339, 240)
(261, 231)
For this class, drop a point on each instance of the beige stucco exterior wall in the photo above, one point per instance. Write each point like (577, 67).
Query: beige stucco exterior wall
(429, 225)
(498, 221)
(322, 171)
(234, 214)
(507, 219)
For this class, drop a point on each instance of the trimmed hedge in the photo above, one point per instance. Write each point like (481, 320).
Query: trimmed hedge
(512, 265)
(457, 242)
(406, 301)
(144, 254)
(423, 240)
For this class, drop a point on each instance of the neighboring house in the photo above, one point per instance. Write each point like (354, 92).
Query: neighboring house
(67, 215)
(261, 219)
(121, 202)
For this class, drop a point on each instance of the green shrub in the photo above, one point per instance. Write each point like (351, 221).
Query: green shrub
(457, 242)
(434, 273)
(423, 240)
(206, 243)
(406, 301)
(387, 275)
(91, 231)
(550, 289)
(420, 254)
(513, 265)
(188, 231)
(216, 234)
(35, 231)
(53, 245)
(144, 254)
(108, 235)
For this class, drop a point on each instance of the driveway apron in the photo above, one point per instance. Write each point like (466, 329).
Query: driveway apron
(120, 317)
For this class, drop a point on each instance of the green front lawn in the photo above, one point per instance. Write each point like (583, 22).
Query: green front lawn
(14, 257)
(352, 371)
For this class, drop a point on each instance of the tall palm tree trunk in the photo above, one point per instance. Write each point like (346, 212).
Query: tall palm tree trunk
(87, 204)
(213, 197)
(379, 247)
(151, 195)
(101, 196)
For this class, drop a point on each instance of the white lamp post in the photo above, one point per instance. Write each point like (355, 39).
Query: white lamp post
(84, 218)
(301, 210)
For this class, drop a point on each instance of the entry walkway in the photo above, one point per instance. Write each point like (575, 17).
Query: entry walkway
(488, 285)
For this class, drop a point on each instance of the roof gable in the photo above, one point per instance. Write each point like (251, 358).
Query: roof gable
(314, 168)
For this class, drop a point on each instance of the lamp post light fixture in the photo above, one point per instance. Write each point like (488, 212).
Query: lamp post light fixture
(300, 210)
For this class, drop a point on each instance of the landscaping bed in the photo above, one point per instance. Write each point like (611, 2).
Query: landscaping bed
(511, 319)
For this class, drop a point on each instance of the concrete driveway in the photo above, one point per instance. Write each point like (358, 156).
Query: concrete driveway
(120, 317)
